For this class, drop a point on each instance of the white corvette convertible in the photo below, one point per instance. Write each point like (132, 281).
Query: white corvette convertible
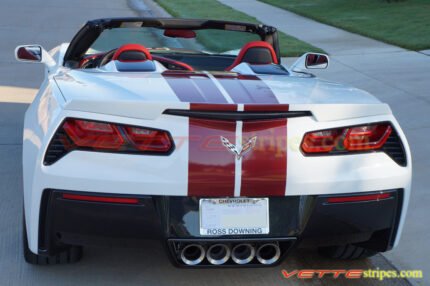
(225, 156)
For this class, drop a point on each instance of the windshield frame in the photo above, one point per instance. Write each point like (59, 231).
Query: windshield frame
(91, 31)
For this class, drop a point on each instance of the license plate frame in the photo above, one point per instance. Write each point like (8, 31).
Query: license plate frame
(234, 216)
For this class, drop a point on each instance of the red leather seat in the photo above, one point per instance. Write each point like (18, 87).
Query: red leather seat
(132, 53)
(256, 53)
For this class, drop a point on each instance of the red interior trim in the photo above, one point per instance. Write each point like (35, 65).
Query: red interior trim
(132, 47)
(101, 199)
(363, 198)
(173, 62)
(250, 45)
(91, 57)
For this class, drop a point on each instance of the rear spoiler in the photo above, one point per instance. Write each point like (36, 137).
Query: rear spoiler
(151, 110)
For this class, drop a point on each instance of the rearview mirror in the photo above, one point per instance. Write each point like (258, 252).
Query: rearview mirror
(316, 61)
(186, 34)
(29, 53)
(34, 54)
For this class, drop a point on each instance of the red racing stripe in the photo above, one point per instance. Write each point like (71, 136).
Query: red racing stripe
(193, 87)
(213, 107)
(247, 89)
(211, 167)
(267, 107)
(264, 169)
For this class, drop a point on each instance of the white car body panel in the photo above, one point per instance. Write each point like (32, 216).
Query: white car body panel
(122, 98)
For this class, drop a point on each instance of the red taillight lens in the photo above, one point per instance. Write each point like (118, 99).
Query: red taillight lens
(149, 140)
(368, 137)
(79, 134)
(93, 134)
(321, 141)
(357, 138)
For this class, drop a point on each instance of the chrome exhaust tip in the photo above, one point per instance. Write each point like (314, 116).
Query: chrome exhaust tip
(243, 253)
(268, 253)
(193, 254)
(218, 254)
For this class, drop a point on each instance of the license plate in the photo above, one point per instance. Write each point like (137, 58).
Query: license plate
(234, 216)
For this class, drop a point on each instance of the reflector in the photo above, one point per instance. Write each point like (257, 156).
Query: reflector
(101, 199)
(361, 198)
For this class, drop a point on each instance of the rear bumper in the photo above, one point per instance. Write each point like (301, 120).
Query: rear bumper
(305, 221)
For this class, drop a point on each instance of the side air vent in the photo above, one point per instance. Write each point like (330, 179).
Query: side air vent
(394, 148)
(237, 115)
(57, 148)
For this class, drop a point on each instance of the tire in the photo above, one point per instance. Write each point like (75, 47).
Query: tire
(346, 252)
(71, 255)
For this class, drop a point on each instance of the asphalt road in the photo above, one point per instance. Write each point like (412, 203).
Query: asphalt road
(49, 22)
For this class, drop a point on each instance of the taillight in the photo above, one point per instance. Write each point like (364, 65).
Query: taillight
(149, 140)
(321, 141)
(79, 134)
(93, 134)
(367, 137)
(347, 139)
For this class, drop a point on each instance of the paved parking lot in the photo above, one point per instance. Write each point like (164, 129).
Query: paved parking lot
(49, 22)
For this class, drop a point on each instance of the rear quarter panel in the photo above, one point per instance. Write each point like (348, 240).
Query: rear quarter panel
(38, 120)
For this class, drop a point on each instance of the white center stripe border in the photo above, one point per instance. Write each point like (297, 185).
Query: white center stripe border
(220, 87)
(238, 163)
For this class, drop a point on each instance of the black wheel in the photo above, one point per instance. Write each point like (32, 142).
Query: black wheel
(71, 255)
(348, 251)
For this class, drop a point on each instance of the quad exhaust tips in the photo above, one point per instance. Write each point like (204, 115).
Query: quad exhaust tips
(192, 254)
(243, 253)
(218, 254)
(268, 253)
(230, 253)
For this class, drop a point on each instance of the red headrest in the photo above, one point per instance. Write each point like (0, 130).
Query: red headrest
(257, 52)
(132, 53)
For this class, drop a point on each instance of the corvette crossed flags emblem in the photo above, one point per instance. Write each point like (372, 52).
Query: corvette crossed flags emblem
(241, 150)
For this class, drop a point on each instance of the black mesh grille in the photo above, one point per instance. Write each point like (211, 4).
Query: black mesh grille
(57, 148)
(394, 148)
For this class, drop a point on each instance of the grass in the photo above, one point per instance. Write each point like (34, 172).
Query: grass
(403, 23)
(220, 40)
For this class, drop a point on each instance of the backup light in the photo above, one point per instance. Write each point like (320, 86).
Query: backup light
(149, 140)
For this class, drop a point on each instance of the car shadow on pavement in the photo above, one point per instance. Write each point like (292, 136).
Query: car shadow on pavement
(150, 266)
